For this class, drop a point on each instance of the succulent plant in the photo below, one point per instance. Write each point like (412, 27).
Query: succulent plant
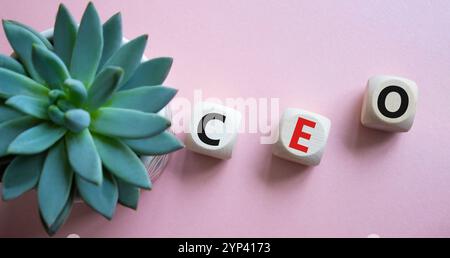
(77, 111)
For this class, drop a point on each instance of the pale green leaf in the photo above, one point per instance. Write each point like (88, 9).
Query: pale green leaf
(120, 160)
(162, 143)
(104, 85)
(29, 105)
(56, 115)
(62, 217)
(83, 156)
(76, 90)
(11, 129)
(49, 67)
(151, 72)
(7, 113)
(64, 34)
(11, 64)
(65, 105)
(127, 123)
(88, 47)
(21, 40)
(128, 57)
(37, 34)
(150, 99)
(21, 175)
(55, 184)
(36, 139)
(56, 94)
(112, 37)
(128, 194)
(76, 120)
(102, 198)
(12, 84)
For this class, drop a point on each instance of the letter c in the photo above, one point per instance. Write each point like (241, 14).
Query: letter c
(202, 125)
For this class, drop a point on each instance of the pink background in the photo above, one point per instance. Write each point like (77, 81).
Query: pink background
(315, 55)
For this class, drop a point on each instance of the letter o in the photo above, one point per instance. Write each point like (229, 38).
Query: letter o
(404, 101)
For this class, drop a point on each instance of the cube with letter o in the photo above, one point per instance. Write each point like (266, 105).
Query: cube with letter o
(302, 136)
(389, 103)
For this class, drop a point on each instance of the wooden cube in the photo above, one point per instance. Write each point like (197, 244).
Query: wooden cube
(302, 136)
(213, 130)
(389, 103)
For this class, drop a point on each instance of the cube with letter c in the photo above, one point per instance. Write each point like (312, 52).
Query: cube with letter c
(302, 136)
(213, 130)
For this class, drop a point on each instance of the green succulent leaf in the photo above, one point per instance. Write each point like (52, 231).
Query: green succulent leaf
(162, 143)
(49, 66)
(151, 72)
(7, 113)
(21, 175)
(77, 92)
(104, 86)
(62, 217)
(150, 99)
(37, 34)
(72, 81)
(36, 139)
(56, 115)
(29, 105)
(102, 198)
(127, 123)
(55, 184)
(83, 156)
(76, 120)
(128, 194)
(56, 94)
(120, 160)
(65, 105)
(129, 56)
(11, 129)
(88, 47)
(112, 37)
(64, 34)
(21, 39)
(11, 64)
(16, 84)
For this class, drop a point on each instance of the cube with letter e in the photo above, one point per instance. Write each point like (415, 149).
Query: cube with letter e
(302, 136)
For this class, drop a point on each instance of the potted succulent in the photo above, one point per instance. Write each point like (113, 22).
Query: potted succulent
(77, 111)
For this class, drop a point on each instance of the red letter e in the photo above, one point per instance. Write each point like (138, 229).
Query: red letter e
(298, 133)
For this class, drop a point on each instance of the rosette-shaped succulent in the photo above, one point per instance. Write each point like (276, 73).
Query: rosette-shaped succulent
(77, 111)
